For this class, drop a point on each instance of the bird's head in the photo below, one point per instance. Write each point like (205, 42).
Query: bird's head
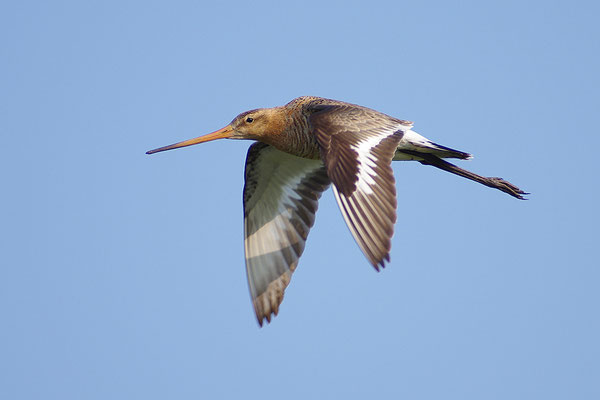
(260, 124)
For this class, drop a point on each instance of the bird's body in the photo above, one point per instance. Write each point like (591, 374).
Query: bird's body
(304, 146)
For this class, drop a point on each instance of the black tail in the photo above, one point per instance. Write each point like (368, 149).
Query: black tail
(496, 183)
(448, 152)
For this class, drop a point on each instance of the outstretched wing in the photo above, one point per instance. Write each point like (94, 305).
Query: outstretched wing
(357, 147)
(281, 196)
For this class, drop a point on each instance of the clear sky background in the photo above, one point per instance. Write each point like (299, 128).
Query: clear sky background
(123, 275)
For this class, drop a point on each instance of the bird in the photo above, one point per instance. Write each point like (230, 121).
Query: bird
(302, 148)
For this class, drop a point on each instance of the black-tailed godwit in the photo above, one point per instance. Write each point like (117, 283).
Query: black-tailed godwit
(303, 147)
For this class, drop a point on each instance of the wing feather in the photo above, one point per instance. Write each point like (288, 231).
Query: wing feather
(357, 147)
(281, 194)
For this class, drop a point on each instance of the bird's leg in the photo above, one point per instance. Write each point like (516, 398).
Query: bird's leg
(493, 182)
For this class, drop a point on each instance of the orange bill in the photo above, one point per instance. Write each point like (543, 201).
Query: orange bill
(222, 133)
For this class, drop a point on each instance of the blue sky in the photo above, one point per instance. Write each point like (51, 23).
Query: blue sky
(123, 274)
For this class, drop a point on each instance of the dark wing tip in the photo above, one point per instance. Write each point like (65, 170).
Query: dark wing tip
(261, 319)
(381, 263)
(262, 316)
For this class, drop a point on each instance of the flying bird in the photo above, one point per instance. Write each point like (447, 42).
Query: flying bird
(304, 147)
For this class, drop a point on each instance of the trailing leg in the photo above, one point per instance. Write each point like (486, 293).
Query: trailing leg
(496, 183)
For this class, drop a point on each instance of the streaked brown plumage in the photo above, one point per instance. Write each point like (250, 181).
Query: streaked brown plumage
(303, 147)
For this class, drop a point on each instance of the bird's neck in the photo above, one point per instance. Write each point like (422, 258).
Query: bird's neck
(291, 134)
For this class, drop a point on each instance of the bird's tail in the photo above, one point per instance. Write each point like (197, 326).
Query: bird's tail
(446, 152)
(414, 142)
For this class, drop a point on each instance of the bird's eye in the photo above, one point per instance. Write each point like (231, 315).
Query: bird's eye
(249, 120)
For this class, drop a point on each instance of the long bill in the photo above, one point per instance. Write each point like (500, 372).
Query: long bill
(222, 133)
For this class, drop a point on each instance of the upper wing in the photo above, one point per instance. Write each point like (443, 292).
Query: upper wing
(357, 147)
(281, 196)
